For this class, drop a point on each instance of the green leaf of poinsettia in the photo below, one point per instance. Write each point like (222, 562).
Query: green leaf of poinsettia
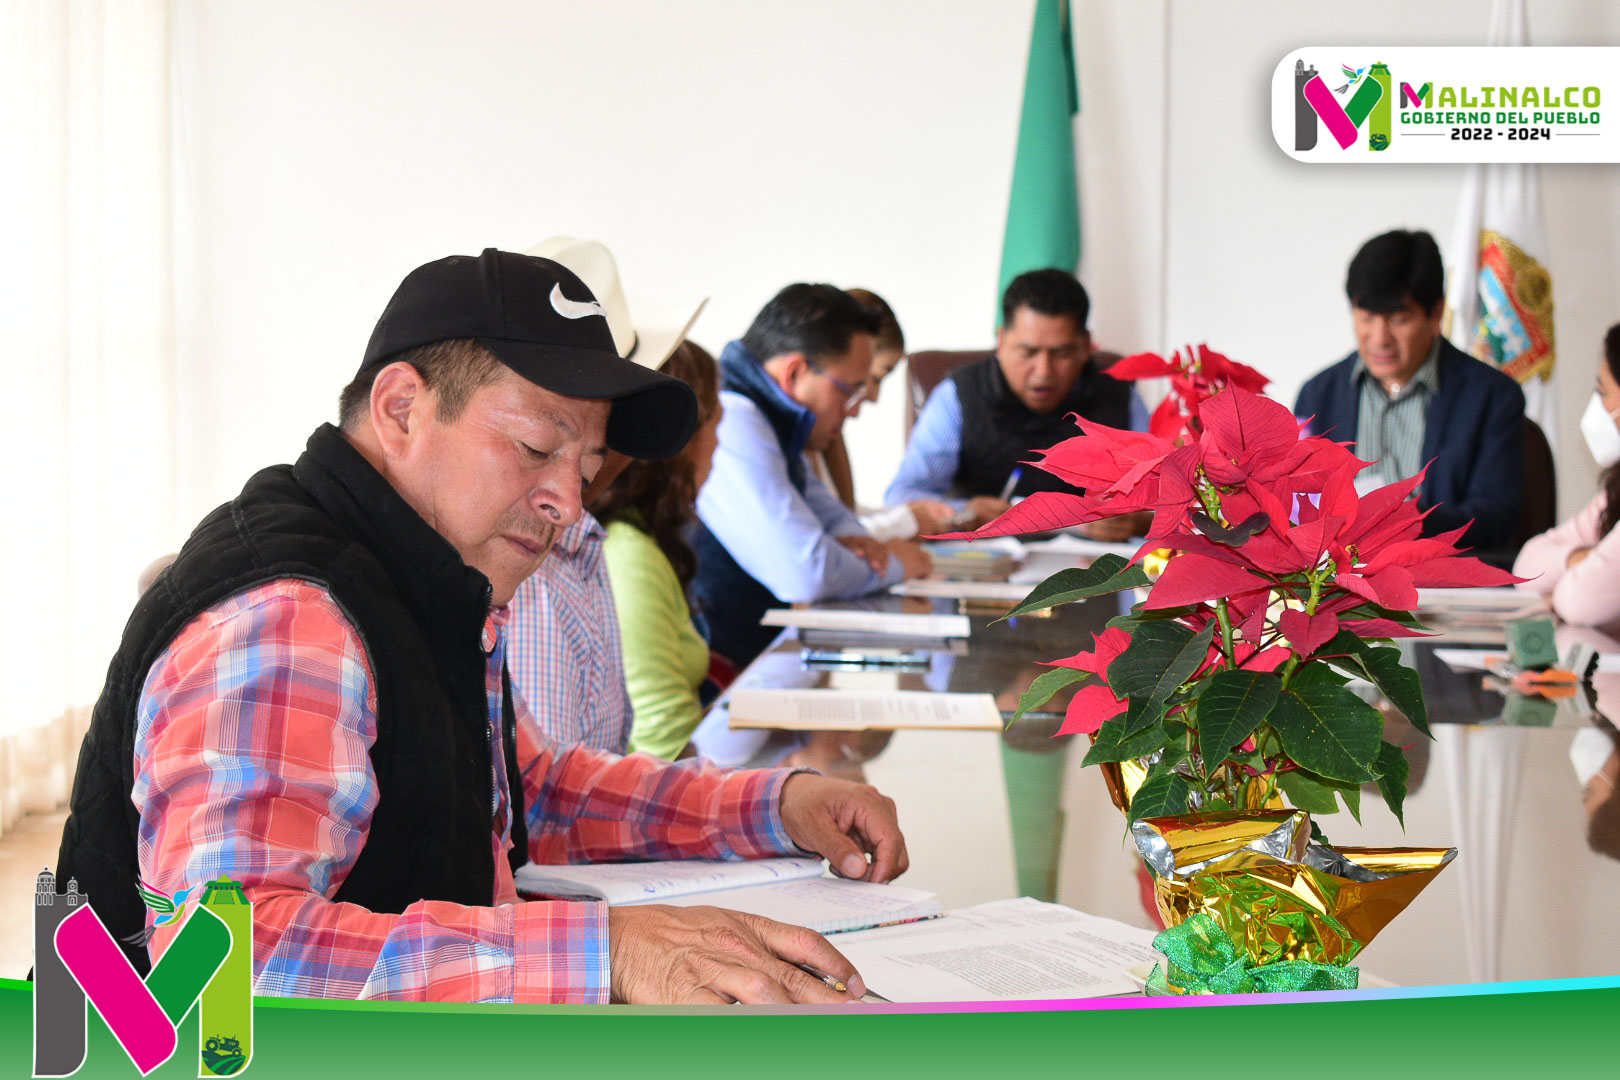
(1232, 705)
(1307, 792)
(1330, 731)
(1172, 756)
(1160, 657)
(1045, 687)
(1114, 745)
(1345, 643)
(1399, 683)
(1162, 794)
(1381, 665)
(1393, 767)
(1109, 574)
(1141, 714)
(1351, 794)
(1139, 616)
(1316, 673)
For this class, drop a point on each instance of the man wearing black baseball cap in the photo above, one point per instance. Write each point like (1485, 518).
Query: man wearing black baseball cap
(313, 699)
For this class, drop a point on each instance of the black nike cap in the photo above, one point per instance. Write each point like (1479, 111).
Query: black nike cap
(541, 321)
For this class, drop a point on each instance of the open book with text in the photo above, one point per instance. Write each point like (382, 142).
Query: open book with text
(790, 890)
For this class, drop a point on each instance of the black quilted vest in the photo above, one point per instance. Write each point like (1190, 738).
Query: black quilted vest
(999, 431)
(330, 519)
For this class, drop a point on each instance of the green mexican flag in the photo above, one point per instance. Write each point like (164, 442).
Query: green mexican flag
(1043, 229)
(1043, 214)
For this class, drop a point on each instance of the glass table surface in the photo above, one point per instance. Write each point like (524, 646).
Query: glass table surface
(992, 815)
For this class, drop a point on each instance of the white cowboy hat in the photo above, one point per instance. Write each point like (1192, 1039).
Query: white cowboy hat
(647, 345)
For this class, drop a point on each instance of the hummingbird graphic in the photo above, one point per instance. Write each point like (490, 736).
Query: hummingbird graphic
(1353, 75)
(169, 909)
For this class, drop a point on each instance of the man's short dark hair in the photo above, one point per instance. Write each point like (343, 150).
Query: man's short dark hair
(454, 369)
(1390, 268)
(1047, 292)
(816, 320)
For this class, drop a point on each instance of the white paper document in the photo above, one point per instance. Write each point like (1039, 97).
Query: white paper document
(998, 591)
(627, 882)
(863, 710)
(1007, 950)
(870, 622)
(790, 890)
(825, 904)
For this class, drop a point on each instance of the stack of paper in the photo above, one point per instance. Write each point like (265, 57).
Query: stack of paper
(964, 561)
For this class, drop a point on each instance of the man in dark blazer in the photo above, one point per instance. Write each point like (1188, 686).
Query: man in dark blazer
(1407, 398)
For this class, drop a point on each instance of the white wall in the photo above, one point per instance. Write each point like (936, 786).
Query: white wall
(725, 148)
(721, 149)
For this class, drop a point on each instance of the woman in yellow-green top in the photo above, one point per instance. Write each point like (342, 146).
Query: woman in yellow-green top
(647, 511)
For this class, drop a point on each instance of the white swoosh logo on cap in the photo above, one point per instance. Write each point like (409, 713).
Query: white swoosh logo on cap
(574, 309)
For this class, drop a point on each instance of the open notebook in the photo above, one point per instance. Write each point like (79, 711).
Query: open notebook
(794, 890)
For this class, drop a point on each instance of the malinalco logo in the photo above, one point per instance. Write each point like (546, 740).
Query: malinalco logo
(1376, 104)
(208, 963)
(1364, 97)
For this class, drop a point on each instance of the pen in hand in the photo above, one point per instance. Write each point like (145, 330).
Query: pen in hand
(826, 980)
(1012, 484)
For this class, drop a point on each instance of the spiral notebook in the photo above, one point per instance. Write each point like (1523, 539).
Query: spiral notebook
(796, 891)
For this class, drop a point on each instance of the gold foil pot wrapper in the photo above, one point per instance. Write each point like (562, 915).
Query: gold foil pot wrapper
(1276, 894)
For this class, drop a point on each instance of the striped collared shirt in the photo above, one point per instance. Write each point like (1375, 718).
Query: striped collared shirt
(1390, 427)
(565, 655)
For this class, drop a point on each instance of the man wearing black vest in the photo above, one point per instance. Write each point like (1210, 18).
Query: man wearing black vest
(313, 698)
(973, 436)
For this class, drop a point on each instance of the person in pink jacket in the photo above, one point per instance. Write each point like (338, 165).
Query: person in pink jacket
(1577, 563)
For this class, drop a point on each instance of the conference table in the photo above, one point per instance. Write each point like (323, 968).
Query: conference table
(990, 815)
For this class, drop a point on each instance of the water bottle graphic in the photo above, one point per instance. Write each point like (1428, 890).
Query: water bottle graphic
(1378, 122)
(1304, 115)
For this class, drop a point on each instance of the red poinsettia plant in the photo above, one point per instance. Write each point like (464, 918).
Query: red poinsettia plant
(1194, 373)
(1283, 583)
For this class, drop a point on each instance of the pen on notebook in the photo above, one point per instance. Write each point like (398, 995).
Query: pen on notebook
(826, 980)
(1011, 484)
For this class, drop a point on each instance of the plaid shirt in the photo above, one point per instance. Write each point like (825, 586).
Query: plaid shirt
(565, 654)
(251, 759)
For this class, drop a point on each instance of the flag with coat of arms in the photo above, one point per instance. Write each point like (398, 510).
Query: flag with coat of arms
(1499, 294)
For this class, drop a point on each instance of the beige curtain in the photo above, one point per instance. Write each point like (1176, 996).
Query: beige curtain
(86, 288)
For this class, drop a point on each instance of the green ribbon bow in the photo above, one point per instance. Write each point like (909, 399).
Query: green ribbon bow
(1204, 960)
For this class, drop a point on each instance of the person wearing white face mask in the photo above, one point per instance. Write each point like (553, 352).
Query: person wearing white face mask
(1577, 564)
